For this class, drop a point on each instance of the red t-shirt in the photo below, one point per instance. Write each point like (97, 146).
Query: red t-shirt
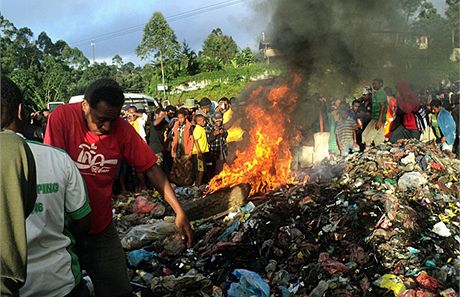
(97, 157)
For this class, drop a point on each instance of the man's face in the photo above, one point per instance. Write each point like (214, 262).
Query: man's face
(218, 123)
(101, 118)
(46, 114)
(355, 106)
(376, 85)
(367, 96)
(131, 114)
(206, 109)
(435, 109)
(200, 121)
(181, 118)
(171, 114)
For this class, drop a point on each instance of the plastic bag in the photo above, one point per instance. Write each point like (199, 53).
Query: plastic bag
(137, 256)
(391, 282)
(250, 284)
(143, 235)
(411, 180)
(143, 205)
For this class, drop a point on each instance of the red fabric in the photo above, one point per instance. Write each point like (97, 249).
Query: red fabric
(188, 142)
(409, 103)
(97, 157)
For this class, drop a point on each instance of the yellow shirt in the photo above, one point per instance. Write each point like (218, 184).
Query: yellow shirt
(199, 134)
(227, 116)
(235, 133)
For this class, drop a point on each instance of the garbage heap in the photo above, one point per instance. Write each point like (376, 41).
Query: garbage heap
(380, 223)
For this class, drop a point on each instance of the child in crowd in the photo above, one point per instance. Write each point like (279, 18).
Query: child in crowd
(218, 143)
(345, 131)
(182, 143)
(200, 148)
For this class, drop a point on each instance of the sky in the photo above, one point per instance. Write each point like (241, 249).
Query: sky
(116, 26)
(80, 21)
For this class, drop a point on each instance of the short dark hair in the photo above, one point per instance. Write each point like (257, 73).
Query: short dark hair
(378, 80)
(11, 97)
(170, 108)
(106, 90)
(183, 111)
(355, 101)
(436, 103)
(200, 116)
(224, 99)
(132, 106)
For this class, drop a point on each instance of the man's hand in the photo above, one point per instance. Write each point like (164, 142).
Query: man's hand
(378, 125)
(443, 139)
(183, 226)
(158, 179)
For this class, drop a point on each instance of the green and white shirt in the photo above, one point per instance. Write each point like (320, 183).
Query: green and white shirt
(53, 268)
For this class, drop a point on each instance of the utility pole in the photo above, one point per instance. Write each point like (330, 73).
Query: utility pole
(93, 44)
(162, 75)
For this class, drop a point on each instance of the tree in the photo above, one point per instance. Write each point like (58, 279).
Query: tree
(219, 47)
(192, 64)
(159, 42)
(410, 7)
(453, 19)
(244, 57)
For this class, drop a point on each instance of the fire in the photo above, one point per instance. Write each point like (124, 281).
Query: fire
(265, 163)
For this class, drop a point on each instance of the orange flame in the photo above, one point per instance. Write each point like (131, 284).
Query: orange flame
(265, 163)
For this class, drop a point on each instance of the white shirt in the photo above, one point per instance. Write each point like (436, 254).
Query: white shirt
(52, 268)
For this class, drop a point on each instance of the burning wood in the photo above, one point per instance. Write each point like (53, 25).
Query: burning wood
(217, 202)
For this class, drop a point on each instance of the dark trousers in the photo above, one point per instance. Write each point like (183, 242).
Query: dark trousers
(103, 258)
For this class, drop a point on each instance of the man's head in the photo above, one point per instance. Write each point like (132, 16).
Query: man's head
(102, 105)
(132, 110)
(200, 119)
(388, 91)
(377, 83)
(182, 115)
(218, 118)
(435, 106)
(205, 105)
(344, 113)
(45, 113)
(224, 103)
(170, 111)
(13, 115)
(366, 92)
(355, 105)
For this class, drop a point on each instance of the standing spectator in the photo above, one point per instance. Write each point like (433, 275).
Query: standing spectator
(345, 131)
(95, 137)
(455, 114)
(446, 125)
(200, 148)
(408, 104)
(137, 120)
(365, 107)
(375, 130)
(354, 114)
(333, 117)
(156, 134)
(218, 144)
(181, 172)
(170, 119)
(190, 105)
(17, 191)
(205, 108)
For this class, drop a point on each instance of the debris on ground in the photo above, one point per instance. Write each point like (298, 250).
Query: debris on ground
(380, 223)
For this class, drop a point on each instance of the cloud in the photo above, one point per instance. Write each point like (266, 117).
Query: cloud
(78, 21)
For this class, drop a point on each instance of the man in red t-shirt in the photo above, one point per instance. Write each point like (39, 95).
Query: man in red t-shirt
(96, 138)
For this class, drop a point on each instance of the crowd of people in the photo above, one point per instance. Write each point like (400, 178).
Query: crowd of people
(190, 140)
(382, 115)
(56, 197)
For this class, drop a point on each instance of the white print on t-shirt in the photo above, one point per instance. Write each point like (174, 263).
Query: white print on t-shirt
(89, 159)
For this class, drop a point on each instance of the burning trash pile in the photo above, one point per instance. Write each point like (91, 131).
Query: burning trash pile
(386, 223)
